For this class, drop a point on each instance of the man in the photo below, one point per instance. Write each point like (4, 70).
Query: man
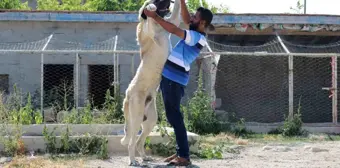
(175, 75)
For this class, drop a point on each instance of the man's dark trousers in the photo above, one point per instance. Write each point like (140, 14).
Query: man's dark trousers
(172, 93)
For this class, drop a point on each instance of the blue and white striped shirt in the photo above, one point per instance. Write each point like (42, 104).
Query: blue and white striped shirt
(182, 55)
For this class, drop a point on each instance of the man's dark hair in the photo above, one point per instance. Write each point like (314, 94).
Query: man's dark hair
(206, 15)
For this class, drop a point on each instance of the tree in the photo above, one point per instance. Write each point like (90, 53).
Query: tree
(69, 5)
(14, 4)
(91, 5)
(100, 5)
(194, 4)
(299, 7)
(116, 5)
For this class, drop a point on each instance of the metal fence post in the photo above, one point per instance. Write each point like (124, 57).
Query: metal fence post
(291, 86)
(335, 89)
(42, 78)
(290, 79)
(76, 88)
(115, 66)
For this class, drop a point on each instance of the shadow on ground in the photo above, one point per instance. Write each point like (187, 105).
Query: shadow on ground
(161, 165)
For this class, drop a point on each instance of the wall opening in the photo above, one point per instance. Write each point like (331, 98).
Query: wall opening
(4, 83)
(58, 86)
(100, 80)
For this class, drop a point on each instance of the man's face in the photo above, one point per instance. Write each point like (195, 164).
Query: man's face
(195, 21)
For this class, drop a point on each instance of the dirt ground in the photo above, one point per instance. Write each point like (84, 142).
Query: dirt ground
(320, 154)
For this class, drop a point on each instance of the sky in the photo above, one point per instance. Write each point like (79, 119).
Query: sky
(279, 6)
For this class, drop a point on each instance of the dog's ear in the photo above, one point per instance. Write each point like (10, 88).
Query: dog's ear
(141, 10)
(143, 15)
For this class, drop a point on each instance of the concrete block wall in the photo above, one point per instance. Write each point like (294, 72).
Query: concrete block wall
(24, 69)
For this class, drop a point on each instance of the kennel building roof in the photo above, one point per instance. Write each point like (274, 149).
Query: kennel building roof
(245, 24)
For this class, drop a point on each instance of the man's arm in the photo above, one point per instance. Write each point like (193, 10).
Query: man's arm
(171, 28)
(185, 13)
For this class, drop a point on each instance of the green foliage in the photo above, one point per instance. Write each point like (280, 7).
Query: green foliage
(60, 97)
(113, 108)
(81, 116)
(84, 145)
(215, 152)
(116, 5)
(51, 140)
(14, 100)
(67, 5)
(86, 115)
(103, 153)
(162, 149)
(240, 128)
(90, 5)
(169, 148)
(293, 126)
(161, 111)
(100, 5)
(298, 8)
(16, 111)
(109, 114)
(13, 144)
(199, 114)
(194, 4)
(14, 4)
(65, 140)
(26, 115)
(71, 117)
(10, 134)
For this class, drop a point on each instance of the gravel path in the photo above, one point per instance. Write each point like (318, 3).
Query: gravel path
(298, 155)
(294, 155)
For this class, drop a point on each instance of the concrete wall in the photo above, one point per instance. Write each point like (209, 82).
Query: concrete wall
(24, 69)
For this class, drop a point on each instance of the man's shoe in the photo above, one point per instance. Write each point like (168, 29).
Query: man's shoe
(179, 162)
(168, 159)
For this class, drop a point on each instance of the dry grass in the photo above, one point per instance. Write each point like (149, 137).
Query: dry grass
(225, 138)
(41, 162)
(242, 142)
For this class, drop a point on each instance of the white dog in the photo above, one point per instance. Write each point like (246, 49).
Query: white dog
(139, 105)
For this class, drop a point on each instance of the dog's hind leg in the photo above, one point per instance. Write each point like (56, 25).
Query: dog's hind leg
(136, 114)
(147, 126)
(125, 140)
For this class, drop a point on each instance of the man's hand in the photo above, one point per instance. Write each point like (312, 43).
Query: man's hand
(185, 13)
(151, 14)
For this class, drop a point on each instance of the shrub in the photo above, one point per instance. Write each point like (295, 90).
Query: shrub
(199, 114)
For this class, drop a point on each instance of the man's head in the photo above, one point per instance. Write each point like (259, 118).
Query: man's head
(201, 19)
(163, 7)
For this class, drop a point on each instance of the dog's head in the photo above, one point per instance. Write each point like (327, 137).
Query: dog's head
(163, 7)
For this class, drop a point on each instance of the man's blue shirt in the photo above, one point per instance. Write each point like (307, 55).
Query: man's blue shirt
(182, 55)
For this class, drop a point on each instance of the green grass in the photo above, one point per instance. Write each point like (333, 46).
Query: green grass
(231, 139)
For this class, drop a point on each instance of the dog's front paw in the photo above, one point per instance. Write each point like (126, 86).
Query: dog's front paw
(133, 163)
(147, 158)
(151, 7)
(124, 141)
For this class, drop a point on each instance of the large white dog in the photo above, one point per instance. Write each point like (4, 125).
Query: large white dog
(139, 105)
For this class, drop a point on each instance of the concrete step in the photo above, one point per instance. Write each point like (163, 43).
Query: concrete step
(75, 129)
(35, 141)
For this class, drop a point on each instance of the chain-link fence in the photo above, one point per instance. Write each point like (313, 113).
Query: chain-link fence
(262, 83)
